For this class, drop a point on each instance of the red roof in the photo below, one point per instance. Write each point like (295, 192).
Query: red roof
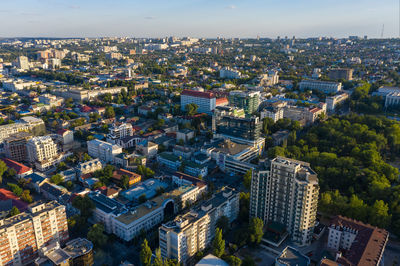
(198, 94)
(221, 101)
(61, 131)
(8, 195)
(18, 167)
(86, 109)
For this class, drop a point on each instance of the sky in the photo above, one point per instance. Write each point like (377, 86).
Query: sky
(199, 18)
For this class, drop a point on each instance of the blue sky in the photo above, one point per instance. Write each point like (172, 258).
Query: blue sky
(198, 18)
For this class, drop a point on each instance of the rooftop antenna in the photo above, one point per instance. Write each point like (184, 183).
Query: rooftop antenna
(383, 29)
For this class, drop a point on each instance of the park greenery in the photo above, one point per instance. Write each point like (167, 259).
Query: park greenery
(350, 155)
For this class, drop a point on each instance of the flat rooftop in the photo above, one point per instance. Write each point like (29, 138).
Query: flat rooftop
(142, 210)
(291, 256)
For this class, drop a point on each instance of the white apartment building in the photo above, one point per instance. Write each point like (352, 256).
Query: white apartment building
(274, 113)
(27, 124)
(17, 85)
(206, 101)
(322, 86)
(127, 223)
(42, 152)
(103, 150)
(119, 132)
(333, 101)
(22, 63)
(392, 98)
(89, 167)
(228, 73)
(50, 100)
(363, 244)
(80, 94)
(286, 192)
(193, 231)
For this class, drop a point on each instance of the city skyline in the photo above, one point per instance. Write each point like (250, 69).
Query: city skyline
(199, 18)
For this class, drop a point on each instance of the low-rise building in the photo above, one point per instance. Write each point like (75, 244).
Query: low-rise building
(127, 223)
(292, 257)
(147, 148)
(362, 244)
(88, 167)
(322, 86)
(133, 178)
(103, 150)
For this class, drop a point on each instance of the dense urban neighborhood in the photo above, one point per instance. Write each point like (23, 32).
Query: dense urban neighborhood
(188, 151)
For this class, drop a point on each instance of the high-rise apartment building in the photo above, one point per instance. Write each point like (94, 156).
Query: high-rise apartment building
(15, 146)
(286, 191)
(249, 101)
(23, 62)
(22, 235)
(192, 232)
(206, 101)
(239, 129)
(341, 73)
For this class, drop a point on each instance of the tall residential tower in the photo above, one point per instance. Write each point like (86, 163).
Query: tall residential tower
(286, 192)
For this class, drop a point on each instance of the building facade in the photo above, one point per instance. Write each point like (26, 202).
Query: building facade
(322, 86)
(103, 150)
(193, 231)
(15, 146)
(362, 244)
(24, 234)
(42, 152)
(206, 101)
(286, 192)
(249, 101)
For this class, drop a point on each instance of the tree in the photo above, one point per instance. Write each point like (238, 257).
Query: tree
(14, 211)
(248, 261)
(223, 224)
(191, 109)
(233, 260)
(276, 151)
(96, 235)
(85, 205)
(109, 112)
(26, 196)
(125, 181)
(145, 254)
(218, 244)
(15, 189)
(56, 179)
(158, 261)
(247, 179)
(86, 157)
(256, 231)
(3, 168)
(379, 215)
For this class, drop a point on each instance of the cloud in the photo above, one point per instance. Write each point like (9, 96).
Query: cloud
(230, 7)
(150, 17)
